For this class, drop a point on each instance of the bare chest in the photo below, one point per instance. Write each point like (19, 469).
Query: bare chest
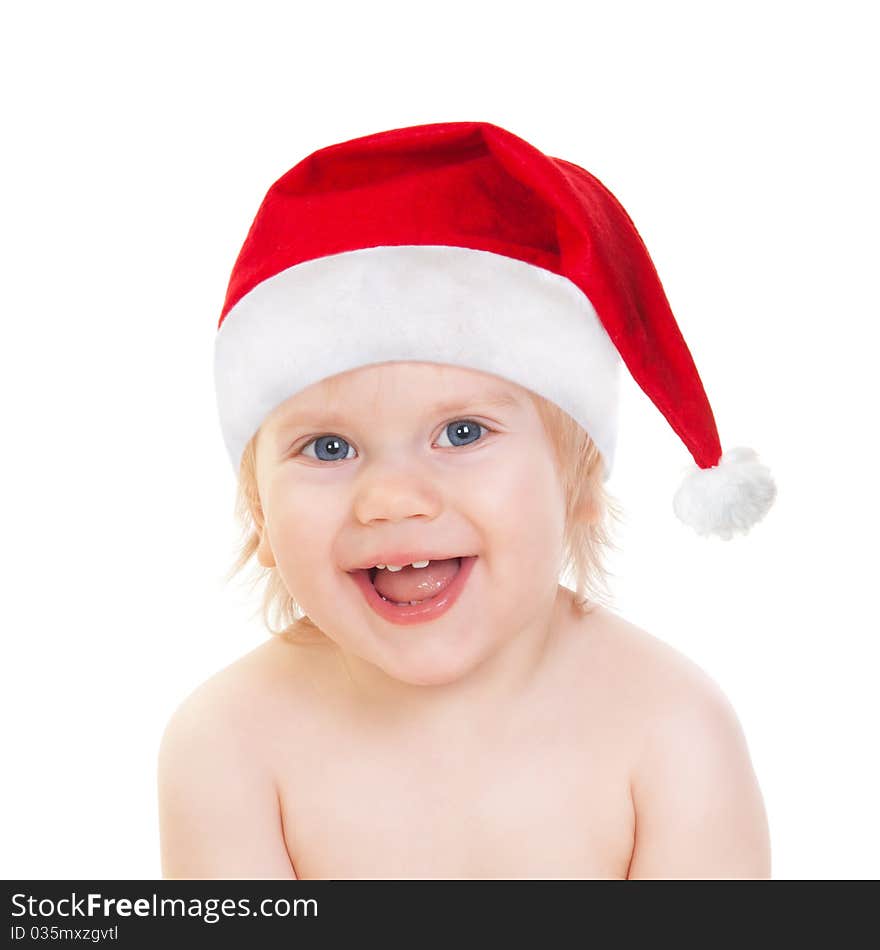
(528, 803)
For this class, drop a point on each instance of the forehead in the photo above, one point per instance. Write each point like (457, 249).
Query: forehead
(413, 387)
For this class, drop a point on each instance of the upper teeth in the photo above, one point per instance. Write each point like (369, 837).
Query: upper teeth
(394, 567)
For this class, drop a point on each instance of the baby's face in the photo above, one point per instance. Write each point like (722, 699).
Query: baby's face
(413, 457)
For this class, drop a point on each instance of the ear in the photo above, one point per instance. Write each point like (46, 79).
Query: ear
(264, 548)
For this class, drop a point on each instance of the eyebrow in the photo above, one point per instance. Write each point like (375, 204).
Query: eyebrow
(323, 417)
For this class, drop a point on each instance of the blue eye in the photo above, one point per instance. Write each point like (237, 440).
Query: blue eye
(462, 432)
(328, 448)
(333, 448)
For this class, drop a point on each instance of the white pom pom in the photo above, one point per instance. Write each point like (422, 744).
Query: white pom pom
(728, 498)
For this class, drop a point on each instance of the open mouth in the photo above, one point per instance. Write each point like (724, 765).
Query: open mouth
(414, 595)
(412, 585)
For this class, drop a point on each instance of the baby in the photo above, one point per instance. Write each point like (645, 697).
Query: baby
(419, 398)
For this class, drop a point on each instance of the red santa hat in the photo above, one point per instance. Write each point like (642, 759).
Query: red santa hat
(460, 243)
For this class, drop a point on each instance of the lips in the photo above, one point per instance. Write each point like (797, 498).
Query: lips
(421, 612)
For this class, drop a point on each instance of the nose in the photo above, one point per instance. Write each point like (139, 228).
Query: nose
(395, 492)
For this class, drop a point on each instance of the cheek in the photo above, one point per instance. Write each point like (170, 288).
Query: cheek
(522, 510)
(301, 532)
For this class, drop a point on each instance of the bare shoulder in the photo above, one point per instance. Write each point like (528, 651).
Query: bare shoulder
(674, 703)
(239, 708)
(218, 800)
(648, 671)
(277, 671)
(699, 810)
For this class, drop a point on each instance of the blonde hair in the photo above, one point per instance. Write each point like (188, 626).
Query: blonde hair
(591, 516)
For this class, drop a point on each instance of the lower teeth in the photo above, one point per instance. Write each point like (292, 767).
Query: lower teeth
(398, 603)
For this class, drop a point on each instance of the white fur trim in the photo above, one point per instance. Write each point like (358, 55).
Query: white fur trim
(727, 498)
(427, 303)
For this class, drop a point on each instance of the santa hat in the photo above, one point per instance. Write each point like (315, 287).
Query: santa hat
(460, 243)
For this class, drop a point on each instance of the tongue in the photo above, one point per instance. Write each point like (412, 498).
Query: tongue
(416, 583)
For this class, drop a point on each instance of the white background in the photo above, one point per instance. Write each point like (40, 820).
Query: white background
(139, 142)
